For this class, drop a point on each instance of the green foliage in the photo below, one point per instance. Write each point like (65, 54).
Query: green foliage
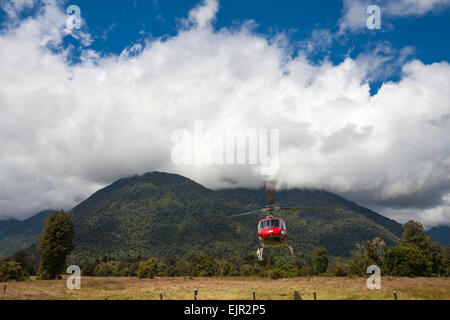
(446, 261)
(414, 236)
(368, 252)
(148, 268)
(55, 244)
(320, 260)
(202, 265)
(435, 253)
(11, 270)
(417, 255)
(284, 268)
(340, 268)
(27, 261)
(407, 262)
(373, 250)
(358, 264)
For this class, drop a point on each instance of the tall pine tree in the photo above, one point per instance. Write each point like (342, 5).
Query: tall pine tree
(55, 244)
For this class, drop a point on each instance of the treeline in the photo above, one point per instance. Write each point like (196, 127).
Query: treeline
(415, 255)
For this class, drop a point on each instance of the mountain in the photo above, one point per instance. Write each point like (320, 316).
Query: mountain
(157, 214)
(161, 214)
(441, 234)
(7, 224)
(17, 235)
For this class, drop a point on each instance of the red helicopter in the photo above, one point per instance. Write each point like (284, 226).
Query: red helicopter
(272, 232)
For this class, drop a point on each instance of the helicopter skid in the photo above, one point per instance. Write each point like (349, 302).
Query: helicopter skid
(273, 242)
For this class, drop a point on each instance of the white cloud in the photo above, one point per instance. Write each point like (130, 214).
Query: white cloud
(14, 7)
(429, 217)
(355, 14)
(415, 7)
(66, 130)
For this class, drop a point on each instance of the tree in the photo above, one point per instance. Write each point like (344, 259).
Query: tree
(148, 268)
(368, 252)
(435, 254)
(407, 262)
(26, 261)
(373, 250)
(55, 243)
(413, 236)
(320, 260)
(446, 261)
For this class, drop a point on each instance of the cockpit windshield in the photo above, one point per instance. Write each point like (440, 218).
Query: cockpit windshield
(271, 223)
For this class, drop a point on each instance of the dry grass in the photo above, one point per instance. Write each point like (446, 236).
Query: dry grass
(239, 288)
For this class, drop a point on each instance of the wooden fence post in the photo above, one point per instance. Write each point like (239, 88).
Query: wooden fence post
(254, 295)
(395, 295)
(160, 296)
(315, 296)
(4, 288)
(195, 294)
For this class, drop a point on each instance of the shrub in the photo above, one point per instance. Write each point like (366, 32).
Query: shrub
(340, 268)
(11, 270)
(26, 261)
(148, 268)
(358, 264)
(286, 267)
(407, 262)
(275, 273)
(202, 265)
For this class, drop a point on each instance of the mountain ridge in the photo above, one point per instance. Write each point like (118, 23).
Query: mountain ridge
(161, 214)
(21, 234)
(441, 234)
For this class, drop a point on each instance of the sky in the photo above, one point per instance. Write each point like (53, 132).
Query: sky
(361, 112)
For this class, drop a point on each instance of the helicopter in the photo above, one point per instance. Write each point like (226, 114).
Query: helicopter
(272, 231)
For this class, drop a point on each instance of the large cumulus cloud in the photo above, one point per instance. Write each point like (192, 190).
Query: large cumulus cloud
(67, 129)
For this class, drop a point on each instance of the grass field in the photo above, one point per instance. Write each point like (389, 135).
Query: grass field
(239, 288)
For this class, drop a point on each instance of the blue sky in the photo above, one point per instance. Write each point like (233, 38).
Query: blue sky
(119, 24)
(363, 113)
(116, 25)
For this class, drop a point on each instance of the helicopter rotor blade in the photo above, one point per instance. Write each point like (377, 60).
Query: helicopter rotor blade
(247, 213)
(307, 208)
